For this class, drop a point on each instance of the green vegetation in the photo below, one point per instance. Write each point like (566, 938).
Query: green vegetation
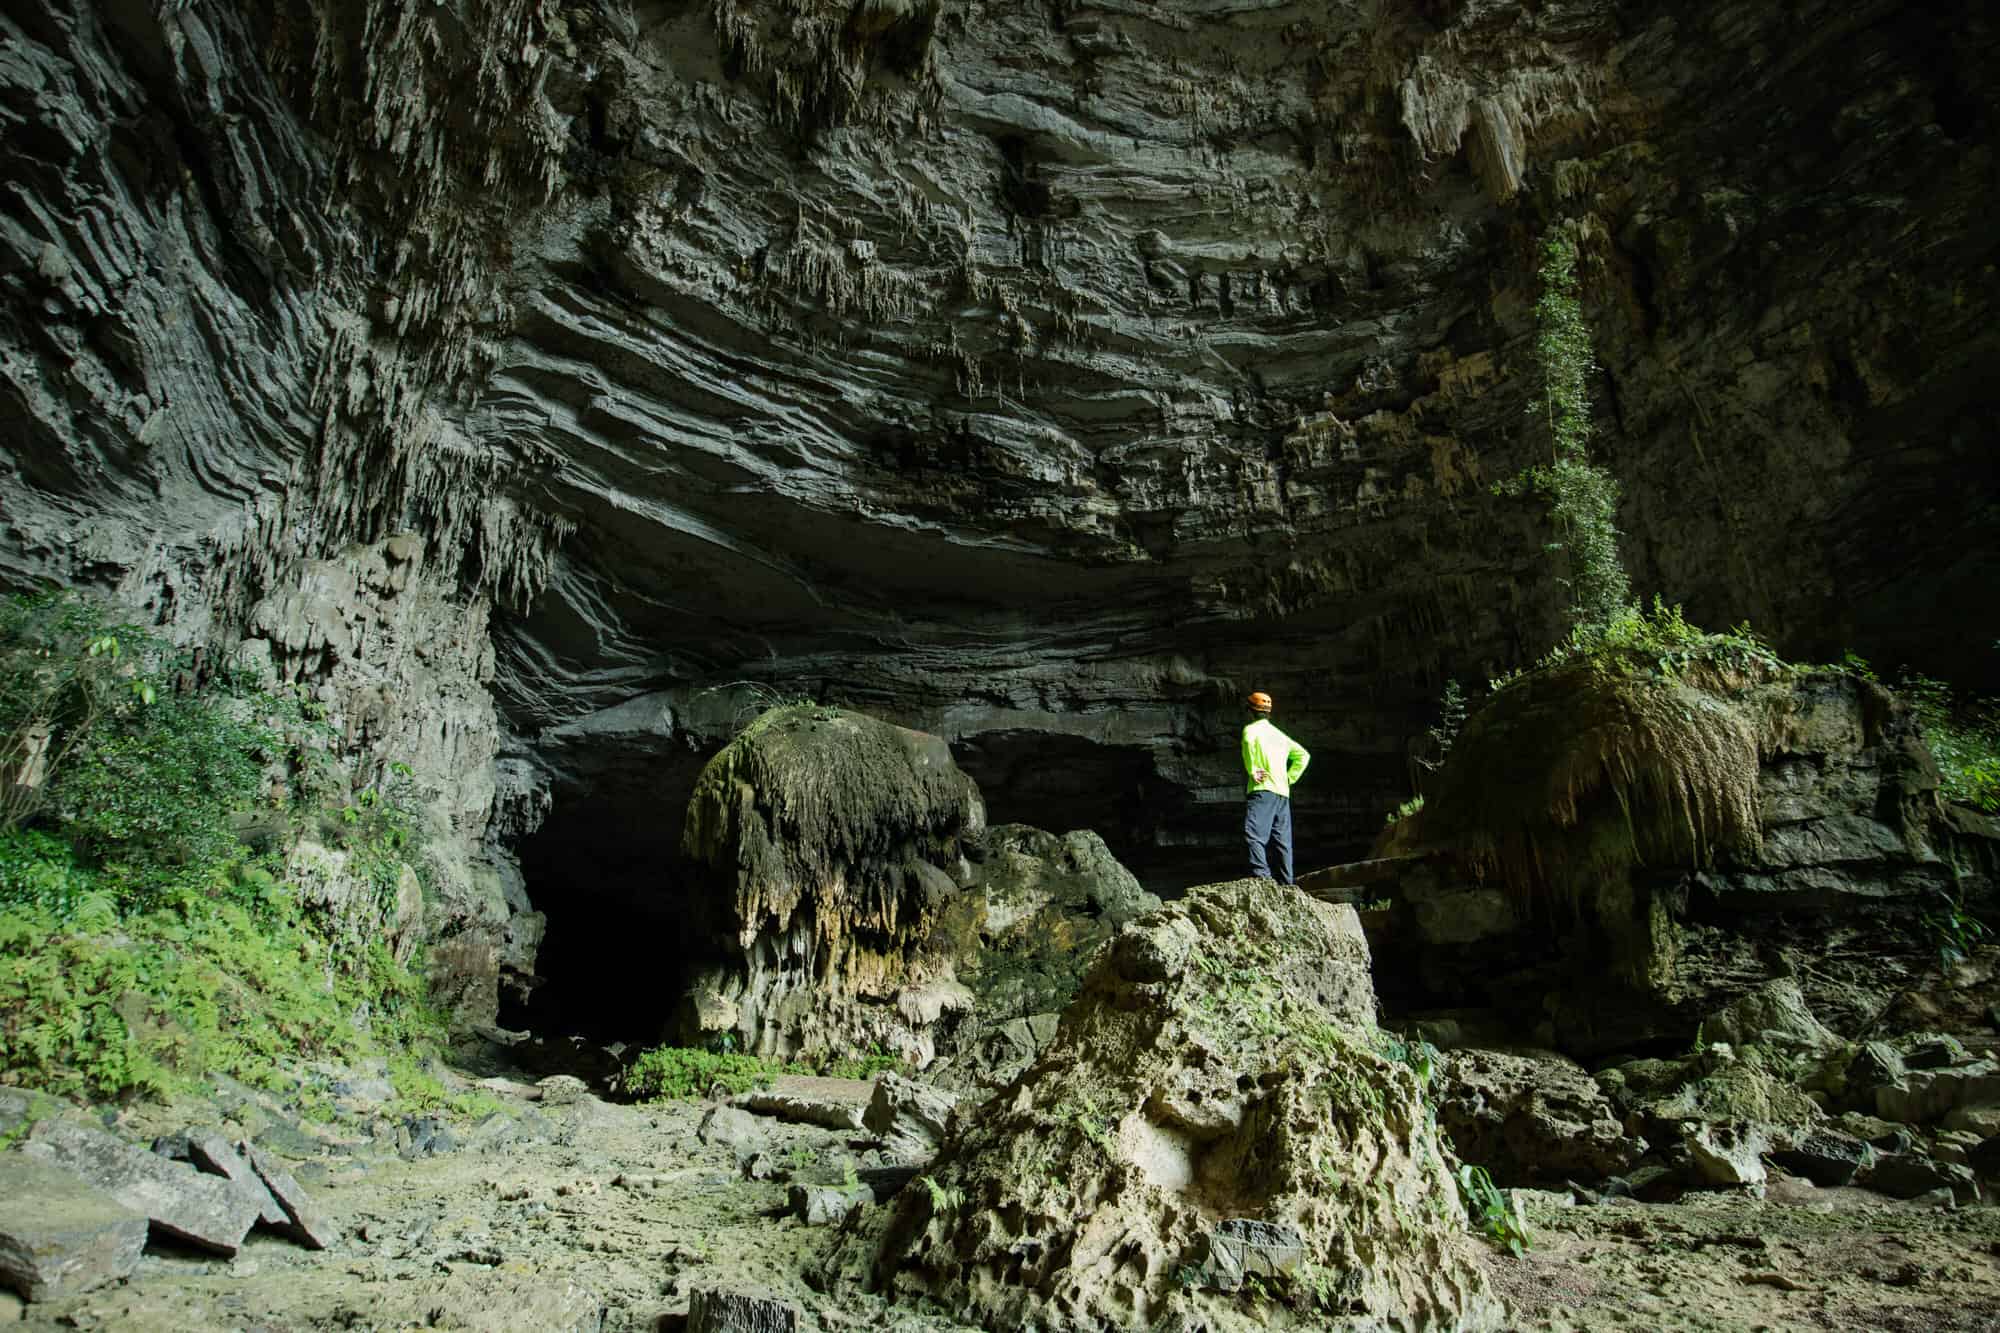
(1490, 1211)
(1582, 495)
(667, 1072)
(1964, 736)
(143, 943)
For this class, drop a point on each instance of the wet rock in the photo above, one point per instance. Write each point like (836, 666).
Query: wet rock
(210, 1152)
(205, 1211)
(1825, 1157)
(1220, 1058)
(717, 1310)
(303, 1221)
(1530, 1116)
(910, 1117)
(60, 1235)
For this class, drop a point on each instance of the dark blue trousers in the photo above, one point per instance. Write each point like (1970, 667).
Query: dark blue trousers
(1267, 819)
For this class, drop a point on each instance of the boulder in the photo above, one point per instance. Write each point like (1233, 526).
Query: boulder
(803, 1109)
(178, 1201)
(210, 1152)
(715, 1310)
(825, 1205)
(1774, 1014)
(303, 1221)
(1529, 1117)
(910, 1117)
(828, 854)
(1825, 1157)
(1221, 1060)
(1908, 1175)
(1729, 1155)
(730, 1127)
(1927, 1096)
(60, 1235)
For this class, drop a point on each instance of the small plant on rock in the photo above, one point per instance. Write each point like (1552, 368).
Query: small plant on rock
(1490, 1212)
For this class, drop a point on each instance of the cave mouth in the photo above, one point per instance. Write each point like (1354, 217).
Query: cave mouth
(620, 945)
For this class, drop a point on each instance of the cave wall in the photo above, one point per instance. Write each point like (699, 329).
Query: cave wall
(1040, 377)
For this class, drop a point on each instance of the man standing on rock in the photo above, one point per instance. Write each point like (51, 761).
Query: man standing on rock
(1273, 762)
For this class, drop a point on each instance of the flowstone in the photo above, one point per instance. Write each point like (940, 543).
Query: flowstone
(831, 843)
(1216, 1079)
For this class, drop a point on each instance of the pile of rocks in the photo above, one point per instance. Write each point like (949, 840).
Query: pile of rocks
(77, 1205)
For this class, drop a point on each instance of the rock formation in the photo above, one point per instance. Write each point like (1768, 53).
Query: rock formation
(1609, 858)
(1041, 378)
(832, 846)
(1213, 1140)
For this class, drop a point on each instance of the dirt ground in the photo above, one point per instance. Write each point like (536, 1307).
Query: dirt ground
(546, 1215)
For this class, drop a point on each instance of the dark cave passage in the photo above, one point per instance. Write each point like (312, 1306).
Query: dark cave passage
(614, 961)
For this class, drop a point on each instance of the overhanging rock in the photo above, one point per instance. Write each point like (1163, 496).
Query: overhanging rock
(1216, 1081)
(831, 848)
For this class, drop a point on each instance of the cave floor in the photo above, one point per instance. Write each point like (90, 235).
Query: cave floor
(622, 1207)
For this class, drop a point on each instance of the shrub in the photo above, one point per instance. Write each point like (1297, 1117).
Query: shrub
(667, 1072)
(1964, 736)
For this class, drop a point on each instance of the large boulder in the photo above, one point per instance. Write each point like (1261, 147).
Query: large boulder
(1214, 1106)
(830, 848)
(1621, 852)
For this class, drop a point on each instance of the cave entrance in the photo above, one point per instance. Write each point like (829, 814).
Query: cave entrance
(620, 943)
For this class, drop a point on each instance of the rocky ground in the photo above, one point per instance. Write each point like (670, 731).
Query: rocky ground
(591, 1215)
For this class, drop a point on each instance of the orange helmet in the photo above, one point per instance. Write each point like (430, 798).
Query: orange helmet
(1260, 702)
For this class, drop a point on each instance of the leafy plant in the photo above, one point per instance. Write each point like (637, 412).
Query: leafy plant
(1582, 495)
(1404, 811)
(944, 1198)
(1964, 737)
(668, 1072)
(1954, 931)
(1490, 1212)
(1444, 732)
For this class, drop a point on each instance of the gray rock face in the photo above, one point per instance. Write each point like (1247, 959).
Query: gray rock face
(923, 366)
(206, 1211)
(910, 1116)
(60, 1236)
(303, 1221)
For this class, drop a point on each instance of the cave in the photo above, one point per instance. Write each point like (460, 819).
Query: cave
(618, 942)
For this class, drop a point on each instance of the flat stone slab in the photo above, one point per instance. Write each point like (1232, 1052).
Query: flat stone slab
(304, 1222)
(59, 1234)
(713, 1310)
(805, 1110)
(178, 1201)
(211, 1153)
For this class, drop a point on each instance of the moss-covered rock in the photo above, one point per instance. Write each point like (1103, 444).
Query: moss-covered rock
(832, 892)
(1218, 1066)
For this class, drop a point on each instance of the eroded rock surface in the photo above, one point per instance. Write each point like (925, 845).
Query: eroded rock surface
(833, 878)
(1217, 1068)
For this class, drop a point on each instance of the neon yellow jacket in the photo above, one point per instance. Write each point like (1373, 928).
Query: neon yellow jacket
(1270, 751)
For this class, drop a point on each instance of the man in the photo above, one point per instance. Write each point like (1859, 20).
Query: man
(1273, 762)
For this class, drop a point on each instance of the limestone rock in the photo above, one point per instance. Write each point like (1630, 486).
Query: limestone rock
(1774, 1014)
(59, 1235)
(730, 1127)
(1729, 1154)
(303, 1220)
(909, 1115)
(801, 1109)
(210, 1152)
(1220, 1059)
(1240, 1248)
(1530, 1117)
(824, 1205)
(1826, 1157)
(717, 1310)
(206, 1211)
(562, 1090)
(829, 842)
